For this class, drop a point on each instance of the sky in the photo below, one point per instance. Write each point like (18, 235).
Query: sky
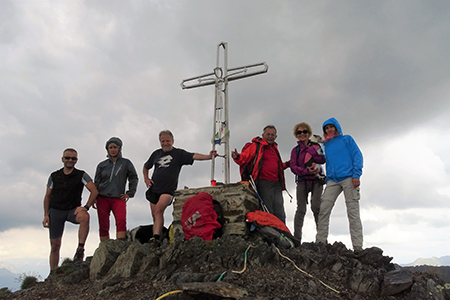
(75, 73)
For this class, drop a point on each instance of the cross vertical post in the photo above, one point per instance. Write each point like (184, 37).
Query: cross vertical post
(220, 78)
(221, 122)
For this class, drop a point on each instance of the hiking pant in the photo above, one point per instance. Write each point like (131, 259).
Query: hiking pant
(272, 195)
(119, 208)
(351, 194)
(303, 190)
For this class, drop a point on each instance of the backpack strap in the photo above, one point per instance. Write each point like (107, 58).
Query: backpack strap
(297, 148)
(248, 168)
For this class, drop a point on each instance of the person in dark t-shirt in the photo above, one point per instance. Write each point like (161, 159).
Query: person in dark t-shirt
(167, 163)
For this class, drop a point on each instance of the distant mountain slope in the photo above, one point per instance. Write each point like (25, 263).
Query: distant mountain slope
(8, 279)
(433, 261)
(434, 265)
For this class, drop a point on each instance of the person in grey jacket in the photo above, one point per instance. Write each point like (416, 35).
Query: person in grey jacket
(110, 179)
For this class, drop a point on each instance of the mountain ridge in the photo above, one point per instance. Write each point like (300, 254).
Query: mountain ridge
(9, 279)
(431, 261)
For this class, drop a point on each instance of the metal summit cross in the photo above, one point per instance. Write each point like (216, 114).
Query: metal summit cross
(220, 78)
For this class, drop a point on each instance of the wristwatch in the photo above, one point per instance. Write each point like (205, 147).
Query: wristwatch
(87, 207)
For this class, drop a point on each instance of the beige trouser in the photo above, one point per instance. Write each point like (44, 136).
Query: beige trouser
(351, 194)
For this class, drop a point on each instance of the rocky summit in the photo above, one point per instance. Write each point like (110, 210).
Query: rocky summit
(241, 264)
(234, 267)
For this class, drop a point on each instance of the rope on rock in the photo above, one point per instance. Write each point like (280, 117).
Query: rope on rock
(245, 261)
(307, 274)
(245, 265)
(169, 293)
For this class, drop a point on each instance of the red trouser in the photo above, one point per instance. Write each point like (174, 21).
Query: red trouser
(104, 207)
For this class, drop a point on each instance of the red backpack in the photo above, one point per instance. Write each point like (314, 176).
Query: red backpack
(272, 229)
(198, 217)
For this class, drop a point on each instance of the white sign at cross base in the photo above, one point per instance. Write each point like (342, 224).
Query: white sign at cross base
(220, 78)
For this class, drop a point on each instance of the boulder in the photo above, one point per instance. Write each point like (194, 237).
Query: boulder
(395, 282)
(129, 262)
(105, 256)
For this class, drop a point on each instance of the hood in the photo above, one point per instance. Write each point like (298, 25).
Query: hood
(114, 140)
(334, 122)
(118, 142)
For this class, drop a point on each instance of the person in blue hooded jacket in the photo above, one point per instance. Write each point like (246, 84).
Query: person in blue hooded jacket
(344, 163)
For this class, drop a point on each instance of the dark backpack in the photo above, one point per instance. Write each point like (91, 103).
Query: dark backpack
(144, 233)
(247, 169)
(220, 218)
(274, 236)
(272, 229)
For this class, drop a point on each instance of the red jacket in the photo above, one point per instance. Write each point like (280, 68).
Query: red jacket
(252, 158)
(266, 219)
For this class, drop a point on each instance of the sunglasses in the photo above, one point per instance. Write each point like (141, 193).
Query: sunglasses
(70, 158)
(302, 131)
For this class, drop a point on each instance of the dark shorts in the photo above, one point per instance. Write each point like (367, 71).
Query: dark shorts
(154, 197)
(57, 220)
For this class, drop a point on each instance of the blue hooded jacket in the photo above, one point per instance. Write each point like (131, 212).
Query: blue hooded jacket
(343, 157)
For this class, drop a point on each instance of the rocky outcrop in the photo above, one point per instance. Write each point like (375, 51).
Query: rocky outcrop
(105, 257)
(442, 271)
(395, 282)
(238, 265)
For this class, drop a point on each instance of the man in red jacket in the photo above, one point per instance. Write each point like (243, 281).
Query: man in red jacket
(262, 160)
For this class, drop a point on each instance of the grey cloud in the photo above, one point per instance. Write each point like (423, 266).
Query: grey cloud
(380, 68)
(10, 24)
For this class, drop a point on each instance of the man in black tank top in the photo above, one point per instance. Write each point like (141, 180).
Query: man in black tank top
(62, 202)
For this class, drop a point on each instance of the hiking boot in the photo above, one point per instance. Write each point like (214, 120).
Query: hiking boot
(79, 255)
(357, 250)
(51, 275)
(321, 247)
(154, 242)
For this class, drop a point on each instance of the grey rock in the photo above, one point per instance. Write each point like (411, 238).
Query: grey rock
(105, 256)
(396, 282)
(128, 263)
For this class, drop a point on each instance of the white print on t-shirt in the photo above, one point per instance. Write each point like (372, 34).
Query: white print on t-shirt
(164, 161)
